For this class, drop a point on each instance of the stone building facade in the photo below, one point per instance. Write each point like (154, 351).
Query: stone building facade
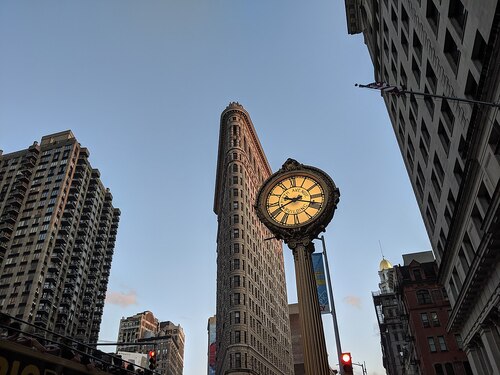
(387, 307)
(451, 149)
(253, 332)
(133, 328)
(143, 332)
(57, 236)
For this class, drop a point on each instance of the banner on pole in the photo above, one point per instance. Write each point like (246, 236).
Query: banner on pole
(319, 275)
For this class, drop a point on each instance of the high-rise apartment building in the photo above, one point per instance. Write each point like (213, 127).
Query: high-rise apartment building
(57, 236)
(451, 149)
(253, 332)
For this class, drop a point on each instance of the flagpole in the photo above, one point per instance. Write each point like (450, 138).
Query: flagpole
(394, 90)
(334, 314)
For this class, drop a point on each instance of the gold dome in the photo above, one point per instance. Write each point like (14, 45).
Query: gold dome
(385, 265)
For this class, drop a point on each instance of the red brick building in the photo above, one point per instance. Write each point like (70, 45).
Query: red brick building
(430, 349)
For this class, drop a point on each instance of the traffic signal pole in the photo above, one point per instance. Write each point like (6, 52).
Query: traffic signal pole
(333, 312)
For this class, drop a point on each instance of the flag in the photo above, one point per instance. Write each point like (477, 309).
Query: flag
(383, 87)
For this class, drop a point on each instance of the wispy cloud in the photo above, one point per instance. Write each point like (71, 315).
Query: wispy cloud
(122, 299)
(353, 301)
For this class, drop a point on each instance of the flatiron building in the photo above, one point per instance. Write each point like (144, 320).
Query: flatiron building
(253, 329)
(57, 236)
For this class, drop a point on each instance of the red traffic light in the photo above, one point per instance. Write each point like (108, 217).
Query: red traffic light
(152, 353)
(346, 358)
(346, 363)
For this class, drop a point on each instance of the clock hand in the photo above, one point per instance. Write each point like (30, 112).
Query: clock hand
(291, 200)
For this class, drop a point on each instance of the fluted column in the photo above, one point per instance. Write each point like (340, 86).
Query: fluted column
(313, 338)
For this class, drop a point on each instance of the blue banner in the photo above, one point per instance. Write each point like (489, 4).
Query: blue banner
(319, 274)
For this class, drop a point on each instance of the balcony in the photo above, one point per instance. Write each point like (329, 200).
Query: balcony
(56, 258)
(9, 218)
(65, 302)
(72, 274)
(49, 287)
(15, 202)
(22, 178)
(7, 227)
(12, 209)
(52, 276)
(70, 204)
(18, 193)
(4, 236)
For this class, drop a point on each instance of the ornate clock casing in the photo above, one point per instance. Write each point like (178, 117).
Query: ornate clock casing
(297, 202)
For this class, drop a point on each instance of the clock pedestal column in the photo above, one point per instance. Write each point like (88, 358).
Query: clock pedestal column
(313, 338)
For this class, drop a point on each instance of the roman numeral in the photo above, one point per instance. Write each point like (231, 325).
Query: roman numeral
(293, 182)
(296, 219)
(284, 219)
(276, 212)
(316, 195)
(315, 205)
(312, 186)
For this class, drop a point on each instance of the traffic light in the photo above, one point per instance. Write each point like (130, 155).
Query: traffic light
(346, 363)
(152, 359)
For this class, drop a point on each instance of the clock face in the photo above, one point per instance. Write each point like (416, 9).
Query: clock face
(295, 200)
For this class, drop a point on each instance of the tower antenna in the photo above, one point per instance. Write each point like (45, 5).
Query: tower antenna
(381, 252)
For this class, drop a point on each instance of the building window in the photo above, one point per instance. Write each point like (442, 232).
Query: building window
(235, 205)
(404, 43)
(416, 70)
(458, 16)
(449, 369)
(459, 341)
(435, 319)
(237, 360)
(443, 137)
(236, 299)
(471, 87)
(236, 233)
(432, 15)
(431, 77)
(478, 51)
(438, 368)
(236, 264)
(442, 344)
(423, 297)
(236, 280)
(237, 337)
(429, 102)
(425, 320)
(417, 275)
(236, 317)
(451, 52)
(432, 344)
(236, 248)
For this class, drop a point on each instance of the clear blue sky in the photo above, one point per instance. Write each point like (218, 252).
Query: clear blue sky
(142, 85)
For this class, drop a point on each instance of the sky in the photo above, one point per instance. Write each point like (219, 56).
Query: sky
(142, 85)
